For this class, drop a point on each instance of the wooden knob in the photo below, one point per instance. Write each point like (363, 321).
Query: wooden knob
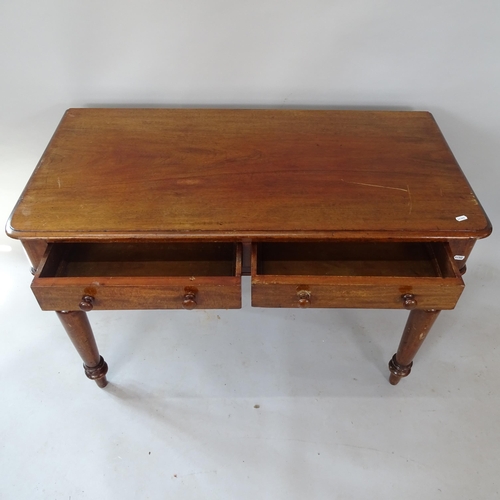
(409, 301)
(87, 303)
(189, 301)
(304, 298)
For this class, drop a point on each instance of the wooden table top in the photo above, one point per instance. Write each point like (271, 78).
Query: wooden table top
(236, 174)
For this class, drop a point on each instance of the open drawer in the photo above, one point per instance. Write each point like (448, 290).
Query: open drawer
(139, 276)
(348, 274)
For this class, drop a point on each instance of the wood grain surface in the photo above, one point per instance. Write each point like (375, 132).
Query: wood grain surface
(236, 174)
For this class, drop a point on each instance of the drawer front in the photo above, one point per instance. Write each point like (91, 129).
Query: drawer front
(66, 294)
(135, 277)
(389, 284)
(355, 293)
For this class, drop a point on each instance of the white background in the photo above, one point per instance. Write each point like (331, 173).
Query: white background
(441, 55)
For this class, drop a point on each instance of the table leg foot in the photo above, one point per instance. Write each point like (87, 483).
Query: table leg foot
(398, 371)
(79, 331)
(97, 373)
(417, 327)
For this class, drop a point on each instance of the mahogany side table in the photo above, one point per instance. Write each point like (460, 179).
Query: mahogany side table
(168, 208)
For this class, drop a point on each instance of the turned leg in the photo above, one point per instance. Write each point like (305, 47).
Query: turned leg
(417, 327)
(78, 328)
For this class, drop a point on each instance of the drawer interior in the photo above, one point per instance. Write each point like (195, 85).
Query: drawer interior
(413, 259)
(141, 259)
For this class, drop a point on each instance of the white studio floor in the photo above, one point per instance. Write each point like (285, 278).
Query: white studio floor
(249, 404)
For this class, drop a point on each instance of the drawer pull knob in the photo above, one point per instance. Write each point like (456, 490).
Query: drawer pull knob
(189, 301)
(409, 301)
(304, 298)
(87, 303)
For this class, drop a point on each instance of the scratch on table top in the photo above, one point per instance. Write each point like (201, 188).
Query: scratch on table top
(375, 185)
(407, 190)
